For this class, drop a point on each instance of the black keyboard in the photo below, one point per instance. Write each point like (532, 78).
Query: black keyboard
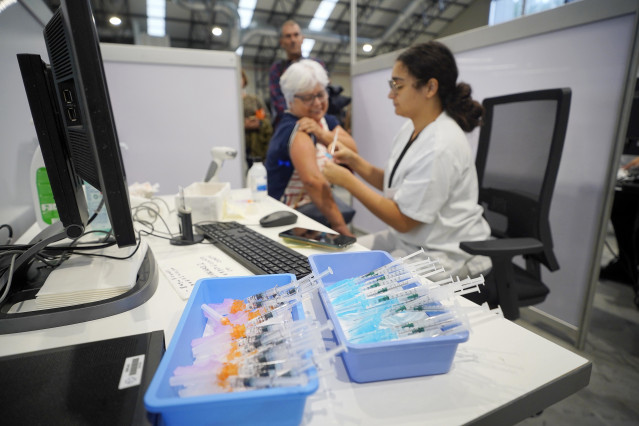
(257, 253)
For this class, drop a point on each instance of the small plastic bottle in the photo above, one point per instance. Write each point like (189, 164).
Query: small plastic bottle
(257, 181)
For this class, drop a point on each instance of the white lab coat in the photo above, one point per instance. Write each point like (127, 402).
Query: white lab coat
(436, 184)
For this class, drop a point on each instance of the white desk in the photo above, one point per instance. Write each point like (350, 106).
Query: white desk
(502, 375)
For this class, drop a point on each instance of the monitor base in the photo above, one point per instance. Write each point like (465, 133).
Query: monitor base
(144, 288)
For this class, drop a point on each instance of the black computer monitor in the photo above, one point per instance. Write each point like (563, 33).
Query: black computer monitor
(82, 144)
(71, 110)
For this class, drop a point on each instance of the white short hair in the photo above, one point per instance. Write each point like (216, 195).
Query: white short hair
(302, 76)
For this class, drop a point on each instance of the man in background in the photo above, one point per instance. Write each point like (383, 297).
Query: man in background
(257, 125)
(291, 39)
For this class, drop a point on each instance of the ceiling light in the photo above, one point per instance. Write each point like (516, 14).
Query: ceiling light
(367, 47)
(307, 46)
(114, 20)
(322, 14)
(155, 14)
(216, 31)
(6, 3)
(245, 9)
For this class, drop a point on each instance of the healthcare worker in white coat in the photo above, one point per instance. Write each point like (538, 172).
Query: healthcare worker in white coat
(428, 191)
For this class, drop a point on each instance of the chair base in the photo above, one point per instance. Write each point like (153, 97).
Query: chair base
(530, 290)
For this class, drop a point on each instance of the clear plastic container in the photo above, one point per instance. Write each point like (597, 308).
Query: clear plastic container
(257, 181)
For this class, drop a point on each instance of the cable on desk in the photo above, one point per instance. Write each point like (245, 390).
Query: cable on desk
(10, 230)
(10, 269)
(153, 210)
(609, 247)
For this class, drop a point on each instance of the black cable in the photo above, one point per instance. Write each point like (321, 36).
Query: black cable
(10, 269)
(609, 247)
(67, 247)
(163, 202)
(9, 229)
(156, 235)
(15, 247)
(96, 212)
(154, 215)
(57, 247)
(109, 256)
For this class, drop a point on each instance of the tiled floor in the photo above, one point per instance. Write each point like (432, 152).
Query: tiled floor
(612, 397)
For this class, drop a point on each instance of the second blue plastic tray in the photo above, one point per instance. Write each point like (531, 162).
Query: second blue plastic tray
(384, 360)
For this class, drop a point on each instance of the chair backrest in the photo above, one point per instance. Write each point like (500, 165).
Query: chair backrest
(518, 156)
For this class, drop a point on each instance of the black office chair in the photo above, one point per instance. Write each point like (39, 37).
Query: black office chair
(518, 156)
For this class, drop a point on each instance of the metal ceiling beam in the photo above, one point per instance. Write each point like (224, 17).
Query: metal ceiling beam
(262, 38)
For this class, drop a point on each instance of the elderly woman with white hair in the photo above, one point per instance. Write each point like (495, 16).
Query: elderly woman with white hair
(298, 148)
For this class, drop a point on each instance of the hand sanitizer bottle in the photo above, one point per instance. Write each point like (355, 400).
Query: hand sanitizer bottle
(46, 211)
(257, 181)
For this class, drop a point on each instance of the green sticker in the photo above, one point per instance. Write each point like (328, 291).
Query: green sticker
(48, 209)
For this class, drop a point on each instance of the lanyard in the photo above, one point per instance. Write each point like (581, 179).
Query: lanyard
(410, 142)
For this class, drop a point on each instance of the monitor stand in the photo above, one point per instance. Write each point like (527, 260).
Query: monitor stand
(25, 290)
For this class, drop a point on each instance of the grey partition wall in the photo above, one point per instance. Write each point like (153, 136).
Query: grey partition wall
(171, 106)
(589, 46)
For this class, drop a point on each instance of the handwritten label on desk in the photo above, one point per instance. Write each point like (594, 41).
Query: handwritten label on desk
(184, 271)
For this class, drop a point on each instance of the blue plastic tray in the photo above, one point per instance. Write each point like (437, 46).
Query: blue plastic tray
(281, 406)
(368, 362)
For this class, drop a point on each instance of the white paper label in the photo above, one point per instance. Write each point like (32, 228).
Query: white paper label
(132, 372)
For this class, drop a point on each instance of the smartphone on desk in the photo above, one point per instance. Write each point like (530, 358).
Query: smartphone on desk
(317, 238)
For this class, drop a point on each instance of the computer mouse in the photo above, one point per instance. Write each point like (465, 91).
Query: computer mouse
(278, 218)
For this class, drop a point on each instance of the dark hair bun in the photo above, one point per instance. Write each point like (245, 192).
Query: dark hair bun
(461, 106)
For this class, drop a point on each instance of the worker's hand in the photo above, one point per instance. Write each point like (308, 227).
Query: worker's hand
(633, 163)
(342, 154)
(336, 174)
(343, 229)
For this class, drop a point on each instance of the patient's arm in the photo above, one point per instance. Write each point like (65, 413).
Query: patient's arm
(303, 156)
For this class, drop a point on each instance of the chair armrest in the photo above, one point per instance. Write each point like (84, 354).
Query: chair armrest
(508, 247)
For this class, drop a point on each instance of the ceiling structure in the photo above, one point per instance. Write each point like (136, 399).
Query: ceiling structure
(387, 25)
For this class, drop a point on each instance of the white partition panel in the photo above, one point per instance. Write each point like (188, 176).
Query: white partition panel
(587, 46)
(171, 106)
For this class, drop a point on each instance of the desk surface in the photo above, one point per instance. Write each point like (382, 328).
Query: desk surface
(503, 374)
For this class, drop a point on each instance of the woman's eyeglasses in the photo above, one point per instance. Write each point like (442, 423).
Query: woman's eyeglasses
(308, 99)
(394, 86)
